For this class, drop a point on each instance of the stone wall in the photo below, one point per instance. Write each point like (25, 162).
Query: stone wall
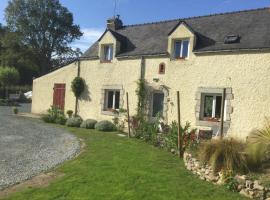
(246, 187)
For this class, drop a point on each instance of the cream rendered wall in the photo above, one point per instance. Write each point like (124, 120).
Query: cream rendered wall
(248, 74)
(96, 75)
(43, 89)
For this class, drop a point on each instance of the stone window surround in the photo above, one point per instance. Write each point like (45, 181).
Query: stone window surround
(102, 100)
(228, 107)
(159, 89)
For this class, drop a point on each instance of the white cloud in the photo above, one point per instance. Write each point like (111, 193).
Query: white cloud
(90, 35)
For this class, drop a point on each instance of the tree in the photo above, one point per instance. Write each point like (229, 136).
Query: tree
(45, 26)
(8, 76)
(15, 53)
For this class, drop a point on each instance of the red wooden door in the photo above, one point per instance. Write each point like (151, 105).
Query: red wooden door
(59, 91)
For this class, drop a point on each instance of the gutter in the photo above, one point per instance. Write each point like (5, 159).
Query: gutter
(231, 50)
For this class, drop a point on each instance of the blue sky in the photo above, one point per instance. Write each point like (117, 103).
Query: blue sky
(91, 15)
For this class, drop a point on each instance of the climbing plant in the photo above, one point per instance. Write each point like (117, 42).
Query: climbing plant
(139, 121)
(141, 93)
(77, 86)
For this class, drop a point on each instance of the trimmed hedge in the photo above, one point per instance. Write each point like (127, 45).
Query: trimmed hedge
(105, 125)
(89, 124)
(74, 122)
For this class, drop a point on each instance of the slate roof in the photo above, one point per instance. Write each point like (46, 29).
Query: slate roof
(253, 27)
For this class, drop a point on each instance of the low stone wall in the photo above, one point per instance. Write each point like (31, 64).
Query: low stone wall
(246, 187)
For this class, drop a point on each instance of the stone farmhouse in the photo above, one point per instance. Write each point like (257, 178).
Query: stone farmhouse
(215, 61)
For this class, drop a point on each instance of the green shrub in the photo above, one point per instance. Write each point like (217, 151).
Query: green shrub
(224, 154)
(69, 113)
(15, 110)
(74, 121)
(89, 124)
(54, 115)
(48, 118)
(61, 120)
(105, 125)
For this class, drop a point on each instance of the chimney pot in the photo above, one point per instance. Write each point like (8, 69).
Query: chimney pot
(114, 23)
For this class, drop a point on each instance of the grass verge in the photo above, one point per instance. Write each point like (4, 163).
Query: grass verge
(118, 168)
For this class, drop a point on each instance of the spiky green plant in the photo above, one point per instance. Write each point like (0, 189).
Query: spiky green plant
(261, 136)
(259, 145)
(224, 154)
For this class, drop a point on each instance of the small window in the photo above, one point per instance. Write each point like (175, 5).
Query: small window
(108, 52)
(181, 48)
(112, 100)
(211, 109)
(161, 68)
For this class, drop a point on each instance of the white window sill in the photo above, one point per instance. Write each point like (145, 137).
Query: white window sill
(106, 112)
(179, 59)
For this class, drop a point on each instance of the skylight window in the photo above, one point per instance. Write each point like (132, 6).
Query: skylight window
(230, 39)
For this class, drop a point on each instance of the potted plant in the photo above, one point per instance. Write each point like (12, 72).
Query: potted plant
(69, 113)
(15, 110)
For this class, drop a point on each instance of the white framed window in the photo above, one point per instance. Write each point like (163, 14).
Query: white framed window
(211, 107)
(112, 100)
(181, 49)
(108, 52)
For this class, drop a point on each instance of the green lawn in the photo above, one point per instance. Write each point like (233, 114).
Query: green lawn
(118, 168)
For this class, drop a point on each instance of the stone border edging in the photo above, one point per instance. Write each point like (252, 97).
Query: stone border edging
(248, 188)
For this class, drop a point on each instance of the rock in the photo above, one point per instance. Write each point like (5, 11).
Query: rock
(240, 187)
(220, 182)
(207, 171)
(212, 177)
(251, 192)
(202, 178)
(202, 170)
(241, 179)
(257, 185)
(245, 193)
(249, 184)
(268, 195)
(173, 151)
(259, 194)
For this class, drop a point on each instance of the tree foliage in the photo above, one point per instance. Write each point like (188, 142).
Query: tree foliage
(46, 27)
(20, 56)
(8, 76)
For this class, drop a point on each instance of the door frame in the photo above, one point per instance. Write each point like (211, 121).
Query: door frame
(59, 100)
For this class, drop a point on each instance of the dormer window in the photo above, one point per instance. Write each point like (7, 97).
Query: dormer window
(181, 48)
(108, 53)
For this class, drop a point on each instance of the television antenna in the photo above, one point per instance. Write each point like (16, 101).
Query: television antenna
(115, 6)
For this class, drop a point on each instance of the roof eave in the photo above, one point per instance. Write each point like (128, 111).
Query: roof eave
(231, 50)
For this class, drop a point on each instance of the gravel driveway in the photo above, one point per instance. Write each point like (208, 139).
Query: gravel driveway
(29, 146)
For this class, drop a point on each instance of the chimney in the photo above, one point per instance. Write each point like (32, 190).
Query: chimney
(114, 23)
